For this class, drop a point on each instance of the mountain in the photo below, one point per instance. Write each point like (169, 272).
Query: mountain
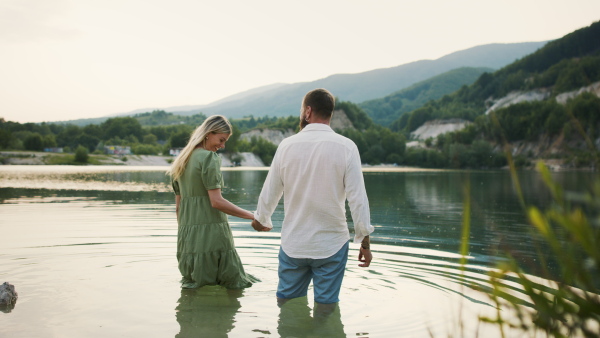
(284, 100)
(563, 65)
(179, 110)
(195, 109)
(385, 110)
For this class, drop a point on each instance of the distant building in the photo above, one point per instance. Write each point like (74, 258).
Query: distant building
(53, 150)
(175, 151)
(117, 150)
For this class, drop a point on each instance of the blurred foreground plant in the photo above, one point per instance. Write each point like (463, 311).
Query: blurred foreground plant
(565, 302)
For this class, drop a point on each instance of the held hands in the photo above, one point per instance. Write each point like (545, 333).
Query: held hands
(364, 256)
(259, 227)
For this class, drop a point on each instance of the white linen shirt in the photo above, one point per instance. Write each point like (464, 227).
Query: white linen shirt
(316, 171)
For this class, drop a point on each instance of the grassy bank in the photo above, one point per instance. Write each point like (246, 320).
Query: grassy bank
(43, 158)
(69, 159)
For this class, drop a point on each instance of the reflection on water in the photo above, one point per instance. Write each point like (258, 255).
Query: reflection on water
(207, 312)
(91, 252)
(211, 312)
(296, 319)
(99, 178)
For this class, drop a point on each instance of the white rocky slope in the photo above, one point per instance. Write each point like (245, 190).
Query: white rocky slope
(431, 129)
(248, 160)
(594, 88)
(339, 121)
(539, 95)
(518, 97)
(274, 136)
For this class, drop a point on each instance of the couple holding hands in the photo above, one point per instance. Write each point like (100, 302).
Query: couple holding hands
(315, 171)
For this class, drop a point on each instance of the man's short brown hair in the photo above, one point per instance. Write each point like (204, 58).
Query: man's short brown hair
(321, 101)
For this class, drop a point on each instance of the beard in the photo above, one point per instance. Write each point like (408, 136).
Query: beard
(303, 123)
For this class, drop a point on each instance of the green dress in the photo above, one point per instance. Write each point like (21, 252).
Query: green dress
(205, 250)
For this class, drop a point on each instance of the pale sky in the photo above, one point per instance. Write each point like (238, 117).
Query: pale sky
(71, 59)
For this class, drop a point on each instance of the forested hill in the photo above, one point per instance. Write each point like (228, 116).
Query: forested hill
(385, 110)
(545, 105)
(562, 65)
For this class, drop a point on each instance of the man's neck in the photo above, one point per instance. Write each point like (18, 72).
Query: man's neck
(326, 122)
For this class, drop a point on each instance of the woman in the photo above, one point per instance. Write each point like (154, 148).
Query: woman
(205, 250)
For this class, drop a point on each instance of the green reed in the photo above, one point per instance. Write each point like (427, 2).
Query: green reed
(561, 303)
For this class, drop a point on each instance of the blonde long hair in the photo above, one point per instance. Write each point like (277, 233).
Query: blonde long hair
(216, 124)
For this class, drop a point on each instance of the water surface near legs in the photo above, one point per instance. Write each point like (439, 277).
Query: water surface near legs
(92, 253)
(92, 268)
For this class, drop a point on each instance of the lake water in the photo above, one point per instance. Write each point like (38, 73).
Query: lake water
(91, 252)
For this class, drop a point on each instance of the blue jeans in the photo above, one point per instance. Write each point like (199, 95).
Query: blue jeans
(327, 274)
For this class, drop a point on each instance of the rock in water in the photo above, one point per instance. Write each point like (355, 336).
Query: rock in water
(8, 295)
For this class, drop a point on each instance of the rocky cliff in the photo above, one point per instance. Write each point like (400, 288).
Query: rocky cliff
(340, 121)
(518, 97)
(594, 88)
(431, 129)
(248, 160)
(546, 146)
(539, 95)
(274, 136)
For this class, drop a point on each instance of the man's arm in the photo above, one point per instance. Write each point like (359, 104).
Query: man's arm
(356, 194)
(270, 195)
(358, 202)
(259, 227)
(364, 254)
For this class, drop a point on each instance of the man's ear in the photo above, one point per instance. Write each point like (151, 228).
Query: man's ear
(308, 112)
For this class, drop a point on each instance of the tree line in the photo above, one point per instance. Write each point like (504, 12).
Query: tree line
(118, 131)
(376, 144)
(473, 147)
(151, 133)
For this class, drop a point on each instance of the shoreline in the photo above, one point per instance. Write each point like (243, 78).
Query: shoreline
(31, 158)
(40, 158)
(108, 167)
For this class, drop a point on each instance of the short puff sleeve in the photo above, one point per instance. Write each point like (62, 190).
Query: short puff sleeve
(211, 172)
(175, 185)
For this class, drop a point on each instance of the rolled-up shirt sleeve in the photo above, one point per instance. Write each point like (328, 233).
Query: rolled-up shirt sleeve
(356, 195)
(270, 195)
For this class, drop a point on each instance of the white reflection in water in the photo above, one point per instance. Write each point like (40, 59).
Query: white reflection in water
(80, 178)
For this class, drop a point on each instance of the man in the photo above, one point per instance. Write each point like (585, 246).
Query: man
(316, 171)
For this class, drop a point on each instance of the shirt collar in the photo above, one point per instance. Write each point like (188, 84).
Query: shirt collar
(317, 127)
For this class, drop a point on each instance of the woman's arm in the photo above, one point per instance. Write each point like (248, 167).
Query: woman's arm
(177, 202)
(218, 202)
